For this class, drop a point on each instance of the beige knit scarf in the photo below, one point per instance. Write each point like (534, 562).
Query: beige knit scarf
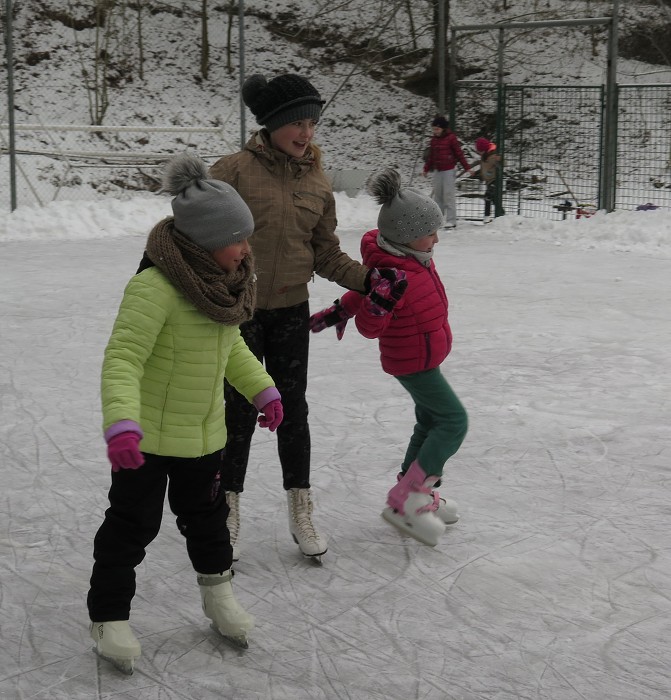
(224, 297)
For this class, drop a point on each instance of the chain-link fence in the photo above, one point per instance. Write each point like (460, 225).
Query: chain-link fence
(643, 146)
(551, 139)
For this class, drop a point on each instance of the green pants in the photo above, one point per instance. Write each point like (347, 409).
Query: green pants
(441, 424)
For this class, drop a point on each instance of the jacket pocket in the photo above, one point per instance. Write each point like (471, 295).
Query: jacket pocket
(309, 209)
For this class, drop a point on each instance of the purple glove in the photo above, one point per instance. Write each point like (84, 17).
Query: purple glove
(387, 286)
(336, 315)
(123, 451)
(271, 415)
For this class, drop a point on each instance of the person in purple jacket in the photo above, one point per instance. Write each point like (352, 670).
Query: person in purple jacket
(407, 312)
(442, 155)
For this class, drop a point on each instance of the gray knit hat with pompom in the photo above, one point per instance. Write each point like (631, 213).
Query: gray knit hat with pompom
(209, 212)
(406, 214)
(282, 100)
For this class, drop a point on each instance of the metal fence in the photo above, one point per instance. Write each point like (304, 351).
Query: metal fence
(551, 139)
(643, 146)
(92, 162)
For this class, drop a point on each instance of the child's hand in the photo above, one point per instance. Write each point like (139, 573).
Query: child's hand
(271, 415)
(335, 315)
(123, 451)
(387, 286)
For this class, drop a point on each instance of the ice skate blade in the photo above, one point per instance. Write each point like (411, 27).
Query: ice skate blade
(401, 523)
(126, 666)
(238, 642)
(316, 556)
(316, 559)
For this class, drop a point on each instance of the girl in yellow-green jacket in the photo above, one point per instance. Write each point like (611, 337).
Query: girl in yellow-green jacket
(175, 339)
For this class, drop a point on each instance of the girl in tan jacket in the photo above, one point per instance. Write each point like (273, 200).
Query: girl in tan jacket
(279, 175)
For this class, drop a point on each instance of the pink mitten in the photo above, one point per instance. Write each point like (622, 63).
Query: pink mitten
(271, 415)
(336, 315)
(123, 451)
(387, 286)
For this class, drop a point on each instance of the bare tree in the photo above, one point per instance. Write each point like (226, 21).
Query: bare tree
(230, 9)
(95, 75)
(204, 41)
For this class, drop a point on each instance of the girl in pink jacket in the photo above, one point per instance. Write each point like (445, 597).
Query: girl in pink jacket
(407, 312)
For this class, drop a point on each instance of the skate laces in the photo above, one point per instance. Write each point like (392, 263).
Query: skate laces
(233, 520)
(301, 510)
(434, 505)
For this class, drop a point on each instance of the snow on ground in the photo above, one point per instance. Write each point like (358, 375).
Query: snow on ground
(553, 585)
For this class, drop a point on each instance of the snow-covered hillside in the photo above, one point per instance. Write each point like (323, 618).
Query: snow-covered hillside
(359, 54)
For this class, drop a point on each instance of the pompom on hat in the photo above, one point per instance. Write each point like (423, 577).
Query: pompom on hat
(406, 214)
(209, 212)
(441, 122)
(282, 100)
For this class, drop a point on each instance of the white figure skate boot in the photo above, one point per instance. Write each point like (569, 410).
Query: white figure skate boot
(233, 521)
(447, 509)
(412, 506)
(309, 541)
(116, 643)
(220, 606)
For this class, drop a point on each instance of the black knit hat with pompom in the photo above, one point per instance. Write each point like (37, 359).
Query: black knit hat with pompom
(282, 100)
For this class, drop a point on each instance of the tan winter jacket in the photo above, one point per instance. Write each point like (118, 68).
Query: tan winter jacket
(295, 221)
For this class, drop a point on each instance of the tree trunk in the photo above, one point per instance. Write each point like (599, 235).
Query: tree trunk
(205, 43)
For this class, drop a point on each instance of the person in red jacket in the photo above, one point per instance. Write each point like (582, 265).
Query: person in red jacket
(442, 156)
(407, 312)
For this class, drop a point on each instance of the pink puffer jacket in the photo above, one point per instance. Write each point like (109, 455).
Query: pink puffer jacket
(416, 335)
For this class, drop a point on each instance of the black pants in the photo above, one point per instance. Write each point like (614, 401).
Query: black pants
(280, 338)
(134, 518)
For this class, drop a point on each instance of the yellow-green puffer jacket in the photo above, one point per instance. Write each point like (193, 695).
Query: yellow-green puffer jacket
(164, 368)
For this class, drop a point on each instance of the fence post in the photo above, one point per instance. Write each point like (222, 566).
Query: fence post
(9, 52)
(500, 127)
(609, 169)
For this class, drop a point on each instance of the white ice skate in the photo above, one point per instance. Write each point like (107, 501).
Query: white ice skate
(447, 509)
(233, 521)
(309, 541)
(411, 506)
(220, 606)
(116, 643)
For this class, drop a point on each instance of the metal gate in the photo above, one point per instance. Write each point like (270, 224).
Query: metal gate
(551, 140)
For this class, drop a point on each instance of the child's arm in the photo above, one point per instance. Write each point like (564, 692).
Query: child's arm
(248, 376)
(141, 317)
(387, 288)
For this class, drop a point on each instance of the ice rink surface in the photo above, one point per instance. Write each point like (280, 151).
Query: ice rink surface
(554, 585)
